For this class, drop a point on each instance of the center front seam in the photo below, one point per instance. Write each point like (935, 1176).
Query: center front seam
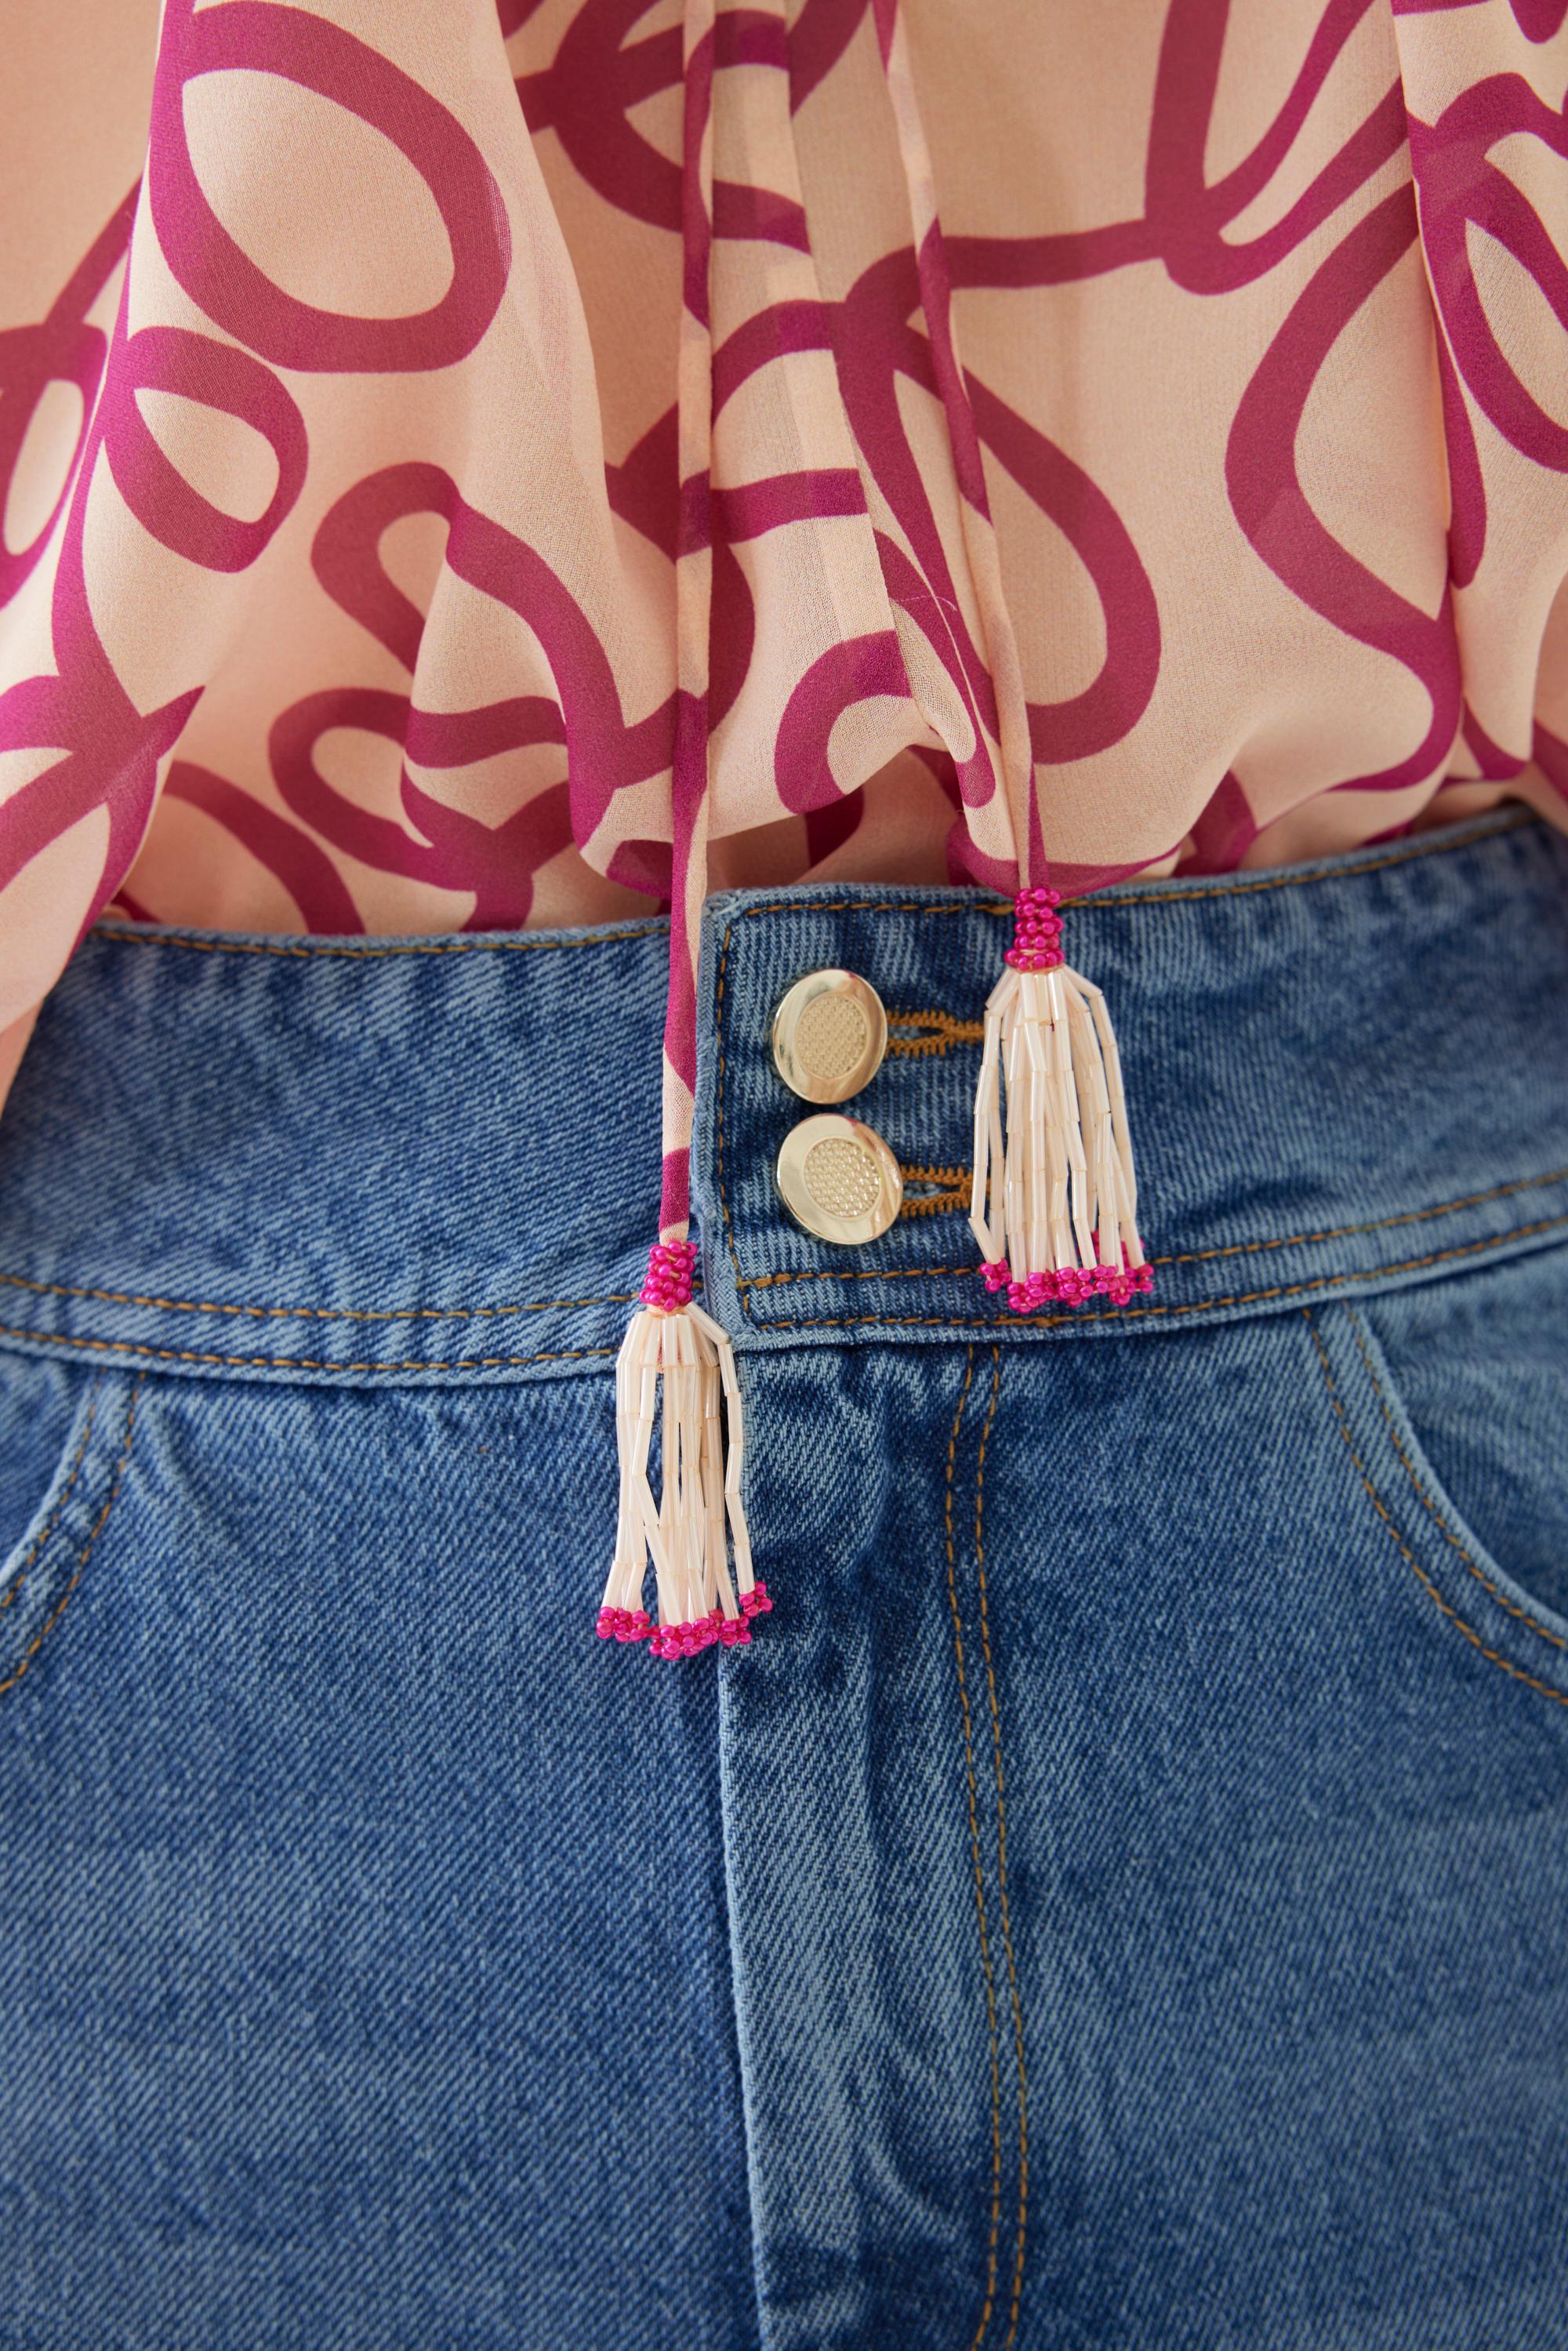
(990, 2303)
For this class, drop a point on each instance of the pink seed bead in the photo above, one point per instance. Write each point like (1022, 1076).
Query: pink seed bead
(1037, 930)
(670, 1266)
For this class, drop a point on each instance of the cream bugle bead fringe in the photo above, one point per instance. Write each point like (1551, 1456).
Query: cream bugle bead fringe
(1055, 1201)
(676, 1367)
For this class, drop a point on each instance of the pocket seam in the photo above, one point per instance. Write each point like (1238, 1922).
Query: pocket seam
(1431, 1507)
(59, 1610)
(47, 1529)
(1492, 1657)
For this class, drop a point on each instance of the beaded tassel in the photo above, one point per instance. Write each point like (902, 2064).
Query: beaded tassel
(1055, 1203)
(673, 1342)
(670, 1344)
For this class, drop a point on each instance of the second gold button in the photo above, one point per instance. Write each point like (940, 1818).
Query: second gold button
(839, 1180)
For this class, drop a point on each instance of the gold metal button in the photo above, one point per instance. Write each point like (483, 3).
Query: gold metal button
(829, 1034)
(839, 1180)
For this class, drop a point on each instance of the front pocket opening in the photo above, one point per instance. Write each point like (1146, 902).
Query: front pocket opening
(1466, 1587)
(46, 1567)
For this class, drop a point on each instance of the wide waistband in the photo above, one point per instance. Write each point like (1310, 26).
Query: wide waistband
(437, 1159)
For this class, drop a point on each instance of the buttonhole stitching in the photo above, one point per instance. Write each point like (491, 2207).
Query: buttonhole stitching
(935, 1033)
(951, 1191)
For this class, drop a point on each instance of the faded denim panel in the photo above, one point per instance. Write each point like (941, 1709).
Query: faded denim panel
(1120, 1900)
(364, 1944)
(1149, 1873)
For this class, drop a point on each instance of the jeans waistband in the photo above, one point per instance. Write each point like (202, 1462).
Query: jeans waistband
(437, 1159)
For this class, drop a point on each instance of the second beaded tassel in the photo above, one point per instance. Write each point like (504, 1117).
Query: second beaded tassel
(1055, 1202)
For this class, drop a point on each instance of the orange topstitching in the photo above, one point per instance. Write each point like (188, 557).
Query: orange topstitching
(1492, 1657)
(1511, 1607)
(967, 1729)
(59, 1610)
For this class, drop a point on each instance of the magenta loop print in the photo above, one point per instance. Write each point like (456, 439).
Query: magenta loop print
(644, 445)
(255, 35)
(170, 358)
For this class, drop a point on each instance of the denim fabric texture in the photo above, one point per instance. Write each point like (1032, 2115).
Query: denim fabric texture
(1119, 1902)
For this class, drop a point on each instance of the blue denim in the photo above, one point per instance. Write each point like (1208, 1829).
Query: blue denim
(1121, 1897)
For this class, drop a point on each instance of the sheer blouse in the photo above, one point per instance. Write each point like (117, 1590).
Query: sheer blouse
(469, 468)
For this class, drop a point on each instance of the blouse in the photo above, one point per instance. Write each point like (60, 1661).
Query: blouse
(467, 467)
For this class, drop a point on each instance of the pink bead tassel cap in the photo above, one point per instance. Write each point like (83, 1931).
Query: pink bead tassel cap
(1055, 1203)
(677, 1366)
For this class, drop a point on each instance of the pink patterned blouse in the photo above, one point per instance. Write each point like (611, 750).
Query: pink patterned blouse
(469, 467)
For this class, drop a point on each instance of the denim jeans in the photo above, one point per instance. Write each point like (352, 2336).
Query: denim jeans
(1120, 1896)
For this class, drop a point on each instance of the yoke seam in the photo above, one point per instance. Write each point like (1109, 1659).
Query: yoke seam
(1492, 1657)
(1190, 1257)
(301, 1363)
(950, 1176)
(802, 1322)
(316, 1313)
(1197, 1306)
